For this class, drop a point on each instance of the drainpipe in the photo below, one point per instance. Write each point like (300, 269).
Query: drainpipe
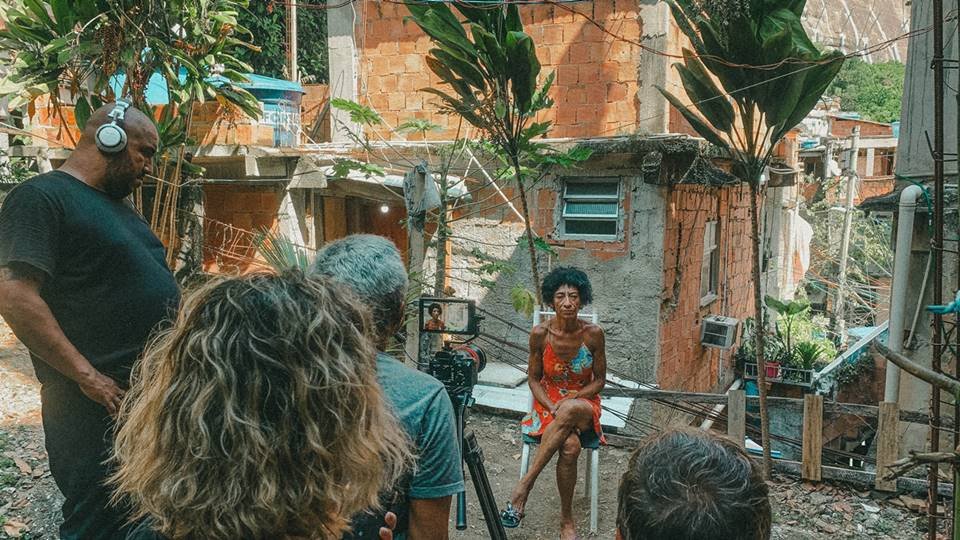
(898, 291)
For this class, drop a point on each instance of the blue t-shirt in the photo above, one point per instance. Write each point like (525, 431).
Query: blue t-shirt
(423, 407)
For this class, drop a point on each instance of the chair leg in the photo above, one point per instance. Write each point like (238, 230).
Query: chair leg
(587, 473)
(524, 460)
(594, 489)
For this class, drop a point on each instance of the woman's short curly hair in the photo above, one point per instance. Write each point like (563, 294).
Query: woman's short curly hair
(251, 417)
(434, 306)
(567, 275)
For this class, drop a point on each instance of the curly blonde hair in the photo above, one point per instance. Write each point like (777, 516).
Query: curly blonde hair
(258, 415)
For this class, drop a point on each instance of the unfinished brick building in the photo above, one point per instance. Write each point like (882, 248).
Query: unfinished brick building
(671, 244)
(668, 248)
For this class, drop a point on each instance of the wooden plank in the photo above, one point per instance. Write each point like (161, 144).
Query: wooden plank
(864, 479)
(830, 408)
(737, 416)
(812, 437)
(334, 218)
(888, 447)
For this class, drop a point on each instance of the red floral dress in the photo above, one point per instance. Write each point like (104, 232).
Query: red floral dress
(563, 379)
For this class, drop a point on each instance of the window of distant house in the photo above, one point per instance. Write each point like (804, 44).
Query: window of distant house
(591, 208)
(883, 162)
(710, 266)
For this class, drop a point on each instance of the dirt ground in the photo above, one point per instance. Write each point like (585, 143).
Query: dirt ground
(30, 501)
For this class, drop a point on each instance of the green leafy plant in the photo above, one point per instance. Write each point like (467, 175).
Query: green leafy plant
(788, 312)
(752, 75)
(873, 90)
(808, 354)
(279, 251)
(490, 65)
(64, 47)
(523, 300)
(418, 125)
(267, 23)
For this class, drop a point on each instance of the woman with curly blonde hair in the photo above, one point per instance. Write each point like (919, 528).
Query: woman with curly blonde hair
(258, 415)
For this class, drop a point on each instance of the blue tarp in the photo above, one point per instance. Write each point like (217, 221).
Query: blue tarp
(264, 88)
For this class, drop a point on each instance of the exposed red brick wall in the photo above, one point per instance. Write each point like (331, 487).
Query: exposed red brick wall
(313, 106)
(684, 363)
(233, 214)
(843, 127)
(874, 187)
(211, 124)
(596, 75)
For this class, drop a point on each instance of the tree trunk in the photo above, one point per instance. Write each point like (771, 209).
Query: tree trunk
(440, 279)
(760, 328)
(529, 230)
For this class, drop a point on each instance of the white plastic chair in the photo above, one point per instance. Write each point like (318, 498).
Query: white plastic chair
(591, 483)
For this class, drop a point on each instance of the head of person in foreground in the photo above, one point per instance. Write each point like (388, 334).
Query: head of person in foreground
(258, 415)
(372, 267)
(690, 485)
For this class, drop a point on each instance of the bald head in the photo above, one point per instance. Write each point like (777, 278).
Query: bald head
(135, 123)
(117, 174)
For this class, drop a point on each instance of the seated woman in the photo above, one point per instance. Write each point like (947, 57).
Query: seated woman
(435, 323)
(258, 415)
(567, 370)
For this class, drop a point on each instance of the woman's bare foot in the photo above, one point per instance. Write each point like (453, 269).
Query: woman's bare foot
(568, 530)
(519, 497)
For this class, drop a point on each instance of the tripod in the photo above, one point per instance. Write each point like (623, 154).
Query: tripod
(472, 454)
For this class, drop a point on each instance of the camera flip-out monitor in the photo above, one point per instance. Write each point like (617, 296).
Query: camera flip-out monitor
(448, 316)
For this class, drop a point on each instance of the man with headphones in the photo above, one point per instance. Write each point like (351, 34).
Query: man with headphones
(83, 284)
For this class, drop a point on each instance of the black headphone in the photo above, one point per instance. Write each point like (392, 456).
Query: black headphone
(111, 138)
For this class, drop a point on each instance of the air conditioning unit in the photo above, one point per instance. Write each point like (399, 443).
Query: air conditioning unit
(718, 332)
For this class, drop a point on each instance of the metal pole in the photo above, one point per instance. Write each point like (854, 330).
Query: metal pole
(852, 178)
(956, 360)
(937, 250)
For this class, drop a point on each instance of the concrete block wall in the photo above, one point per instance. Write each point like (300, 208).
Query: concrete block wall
(684, 363)
(597, 74)
(625, 273)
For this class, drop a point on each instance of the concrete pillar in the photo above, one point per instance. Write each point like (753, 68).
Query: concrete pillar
(871, 153)
(660, 34)
(343, 68)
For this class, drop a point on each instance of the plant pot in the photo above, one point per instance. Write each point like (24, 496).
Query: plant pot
(773, 370)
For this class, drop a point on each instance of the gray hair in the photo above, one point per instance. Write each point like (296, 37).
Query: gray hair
(686, 485)
(371, 265)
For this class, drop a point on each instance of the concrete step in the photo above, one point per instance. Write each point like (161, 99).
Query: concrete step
(502, 375)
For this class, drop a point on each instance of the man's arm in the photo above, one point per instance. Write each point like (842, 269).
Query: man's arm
(34, 324)
(429, 519)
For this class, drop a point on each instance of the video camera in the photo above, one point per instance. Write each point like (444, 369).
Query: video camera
(458, 363)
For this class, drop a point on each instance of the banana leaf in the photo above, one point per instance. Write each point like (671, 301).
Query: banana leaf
(698, 125)
(523, 68)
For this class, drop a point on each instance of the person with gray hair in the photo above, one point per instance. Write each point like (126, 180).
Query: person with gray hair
(372, 266)
(687, 485)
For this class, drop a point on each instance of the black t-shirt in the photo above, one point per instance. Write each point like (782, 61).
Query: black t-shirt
(107, 281)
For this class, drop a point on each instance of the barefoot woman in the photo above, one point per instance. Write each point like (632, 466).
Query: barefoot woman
(567, 370)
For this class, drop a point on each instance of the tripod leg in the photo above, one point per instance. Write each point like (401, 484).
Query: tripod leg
(474, 458)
